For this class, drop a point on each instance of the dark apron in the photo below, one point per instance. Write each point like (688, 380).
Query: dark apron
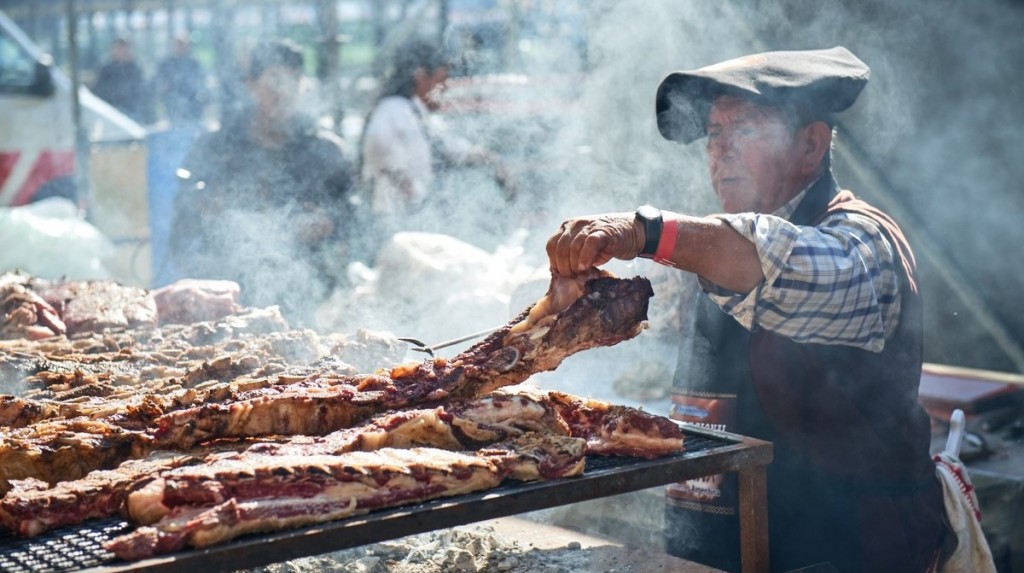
(712, 388)
(818, 511)
(701, 521)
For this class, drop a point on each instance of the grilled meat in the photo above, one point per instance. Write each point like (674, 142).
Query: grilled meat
(66, 450)
(610, 311)
(94, 306)
(611, 429)
(484, 423)
(23, 313)
(34, 506)
(235, 494)
(117, 415)
(190, 300)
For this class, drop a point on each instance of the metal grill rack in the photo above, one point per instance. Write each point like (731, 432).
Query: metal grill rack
(80, 548)
(68, 549)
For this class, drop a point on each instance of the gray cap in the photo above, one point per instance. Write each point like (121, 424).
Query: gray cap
(822, 82)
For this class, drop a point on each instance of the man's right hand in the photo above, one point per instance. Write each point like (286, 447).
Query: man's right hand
(586, 242)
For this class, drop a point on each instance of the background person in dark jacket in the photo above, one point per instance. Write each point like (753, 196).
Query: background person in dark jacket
(810, 333)
(180, 84)
(120, 83)
(263, 200)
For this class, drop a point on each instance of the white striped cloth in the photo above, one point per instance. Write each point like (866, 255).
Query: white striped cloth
(972, 553)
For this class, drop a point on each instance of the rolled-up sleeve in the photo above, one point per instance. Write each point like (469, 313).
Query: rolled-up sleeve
(831, 284)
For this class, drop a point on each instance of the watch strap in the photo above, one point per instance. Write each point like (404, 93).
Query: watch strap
(667, 244)
(652, 223)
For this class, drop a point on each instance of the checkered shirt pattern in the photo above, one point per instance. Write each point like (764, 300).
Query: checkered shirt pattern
(835, 283)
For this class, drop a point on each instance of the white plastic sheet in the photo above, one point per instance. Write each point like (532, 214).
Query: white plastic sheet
(50, 240)
(432, 287)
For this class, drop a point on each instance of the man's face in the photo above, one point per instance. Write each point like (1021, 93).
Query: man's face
(752, 156)
(430, 86)
(275, 92)
(121, 52)
(181, 47)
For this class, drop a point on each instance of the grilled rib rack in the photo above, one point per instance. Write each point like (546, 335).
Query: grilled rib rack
(80, 548)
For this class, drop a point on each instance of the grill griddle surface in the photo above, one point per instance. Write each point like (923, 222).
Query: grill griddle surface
(80, 547)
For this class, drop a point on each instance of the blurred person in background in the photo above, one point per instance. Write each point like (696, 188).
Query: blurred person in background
(264, 200)
(810, 333)
(180, 84)
(405, 148)
(120, 83)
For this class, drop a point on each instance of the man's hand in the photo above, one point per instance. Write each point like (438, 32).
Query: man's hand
(586, 242)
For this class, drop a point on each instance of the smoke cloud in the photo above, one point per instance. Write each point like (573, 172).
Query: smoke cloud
(937, 126)
(936, 130)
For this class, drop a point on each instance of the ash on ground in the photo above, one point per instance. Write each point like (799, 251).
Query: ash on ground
(468, 549)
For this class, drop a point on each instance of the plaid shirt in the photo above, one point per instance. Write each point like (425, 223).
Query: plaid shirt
(835, 283)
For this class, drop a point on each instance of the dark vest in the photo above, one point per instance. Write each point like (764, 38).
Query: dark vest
(852, 483)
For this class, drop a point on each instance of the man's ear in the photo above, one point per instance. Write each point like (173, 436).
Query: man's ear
(815, 141)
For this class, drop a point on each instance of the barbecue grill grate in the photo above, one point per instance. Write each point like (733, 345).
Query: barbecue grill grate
(694, 445)
(68, 549)
(80, 547)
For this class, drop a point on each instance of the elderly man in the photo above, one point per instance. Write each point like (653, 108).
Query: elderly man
(810, 333)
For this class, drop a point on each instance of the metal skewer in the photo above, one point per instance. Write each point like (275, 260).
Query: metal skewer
(419, 346)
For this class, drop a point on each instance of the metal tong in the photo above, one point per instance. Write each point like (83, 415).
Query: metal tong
(419, 346)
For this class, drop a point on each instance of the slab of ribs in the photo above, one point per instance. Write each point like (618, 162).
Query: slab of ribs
(206, 423)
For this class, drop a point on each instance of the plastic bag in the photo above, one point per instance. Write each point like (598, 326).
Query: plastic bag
(429, 286)
(50, 240)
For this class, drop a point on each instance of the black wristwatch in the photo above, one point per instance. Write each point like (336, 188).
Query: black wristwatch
(650, 218)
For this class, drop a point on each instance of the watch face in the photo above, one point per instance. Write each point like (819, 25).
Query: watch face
(648, 212)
